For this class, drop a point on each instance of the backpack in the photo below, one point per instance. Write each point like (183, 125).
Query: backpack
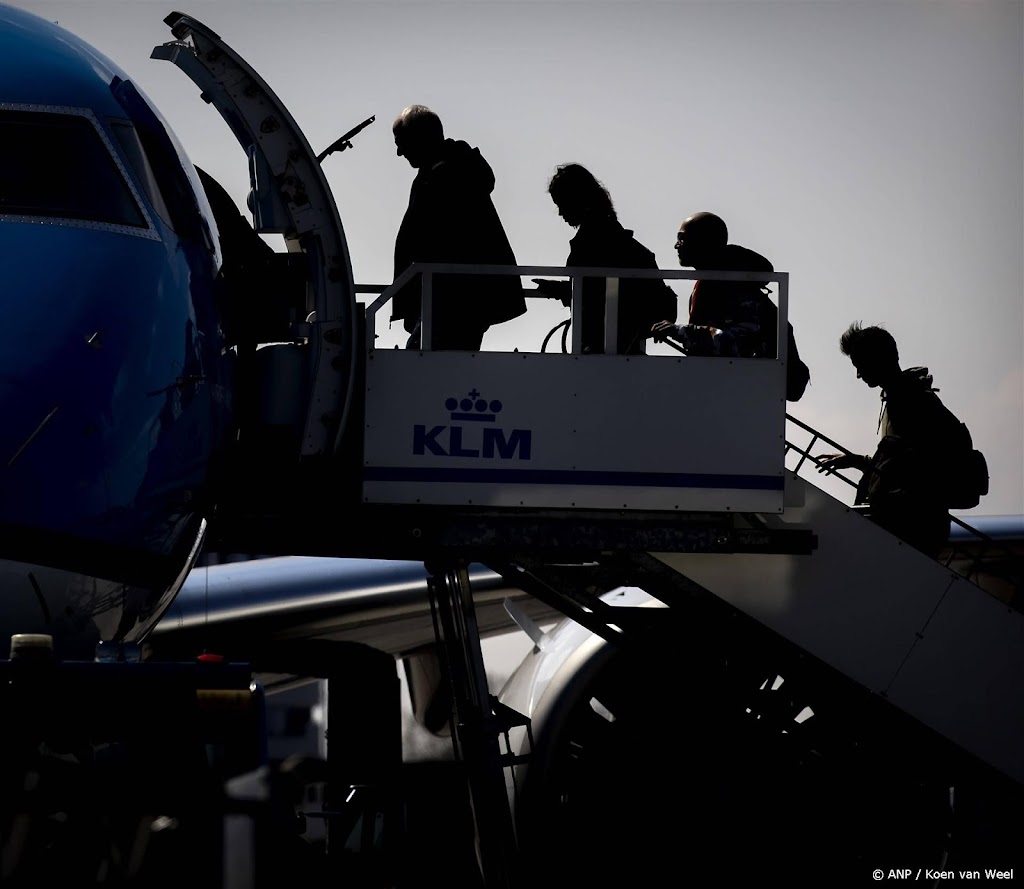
(798, 374)
(659, 297)
(654, 299)
(966, 479)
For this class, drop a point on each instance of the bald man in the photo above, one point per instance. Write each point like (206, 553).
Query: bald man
(726, 317)
(730, 317)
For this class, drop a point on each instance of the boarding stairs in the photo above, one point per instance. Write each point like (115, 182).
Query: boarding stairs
(902, 626)
(745, 526)
(572, 459)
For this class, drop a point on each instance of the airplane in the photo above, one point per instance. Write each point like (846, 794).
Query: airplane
(99, 207)
(132, 437)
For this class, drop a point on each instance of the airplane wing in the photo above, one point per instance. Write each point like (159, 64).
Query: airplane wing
(258, 609)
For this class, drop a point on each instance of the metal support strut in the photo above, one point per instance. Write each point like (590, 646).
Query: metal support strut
(477, 728)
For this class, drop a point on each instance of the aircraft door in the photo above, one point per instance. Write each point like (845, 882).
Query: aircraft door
(290, 196)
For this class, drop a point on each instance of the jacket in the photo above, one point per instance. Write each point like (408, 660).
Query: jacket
(740, 308)
(642, 301)
(918, 436)
(451, 218)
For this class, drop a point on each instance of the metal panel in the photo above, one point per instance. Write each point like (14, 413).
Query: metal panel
(857, 603)
(584, 431)
(963, 677)
(940, 648)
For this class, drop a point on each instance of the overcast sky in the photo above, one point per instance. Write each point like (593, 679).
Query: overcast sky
(873, 150)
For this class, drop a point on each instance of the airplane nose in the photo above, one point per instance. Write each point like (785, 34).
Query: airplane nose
(100, 450)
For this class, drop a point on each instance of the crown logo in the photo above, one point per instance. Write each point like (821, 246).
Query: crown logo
(473, 408)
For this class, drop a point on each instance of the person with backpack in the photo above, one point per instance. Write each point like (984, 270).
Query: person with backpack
(922, 444)
(602, 242)
(732, 318)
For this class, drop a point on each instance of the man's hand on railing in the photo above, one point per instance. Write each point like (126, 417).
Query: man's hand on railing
(560, 290)
(662, 329)
(831, 462)
(695, 339)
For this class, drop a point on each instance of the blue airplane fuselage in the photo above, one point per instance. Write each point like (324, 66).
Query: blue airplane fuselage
(115, 384)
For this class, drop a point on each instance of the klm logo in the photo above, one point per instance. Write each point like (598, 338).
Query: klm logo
(466, 436)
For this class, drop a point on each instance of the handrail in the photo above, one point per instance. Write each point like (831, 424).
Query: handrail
(990, 544)
(806, 454)
(575, 274)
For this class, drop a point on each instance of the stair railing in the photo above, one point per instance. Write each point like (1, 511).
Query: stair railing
(954, 552)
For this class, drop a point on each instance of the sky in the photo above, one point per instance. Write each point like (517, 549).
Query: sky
(872, 150)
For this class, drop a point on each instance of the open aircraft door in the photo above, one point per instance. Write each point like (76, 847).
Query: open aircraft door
(309, 359)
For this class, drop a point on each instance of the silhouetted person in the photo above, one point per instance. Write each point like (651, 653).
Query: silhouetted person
(900, 481)
(244, 259)
(601, 241)
(725, 317)
(450, 218)
(734, 318)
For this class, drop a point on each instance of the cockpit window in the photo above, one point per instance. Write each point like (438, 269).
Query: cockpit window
(150, 144)
(132, 148)
(57, 165)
